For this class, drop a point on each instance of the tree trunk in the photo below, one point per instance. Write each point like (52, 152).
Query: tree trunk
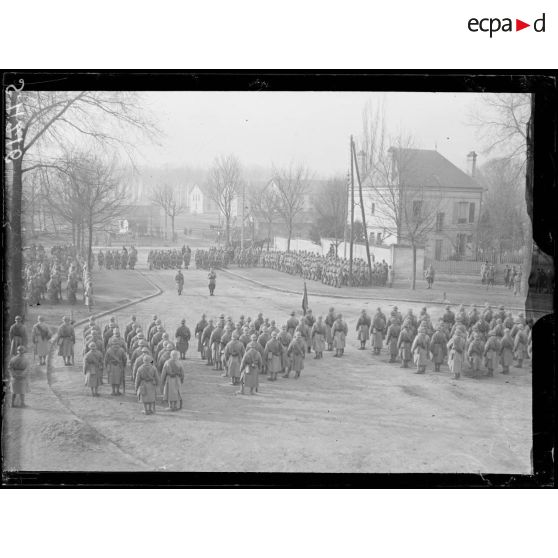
(172, 227)
(269, 227)
(227, 230)
(527, 259)
(166, 225)
(90, 242)
(290, 227)
(414, 275)
(15, 261)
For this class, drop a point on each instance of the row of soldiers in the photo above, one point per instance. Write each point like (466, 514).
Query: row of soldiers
(494, 337)
(118, 259)
(328, 269)
(169, 259)
(247, 257)
(213, 258)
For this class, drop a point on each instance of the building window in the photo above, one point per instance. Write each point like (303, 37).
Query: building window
(373, 208)
(462, 212)
(439, 221)
(378, 238)
(460, 244)
(371, 238)
(471, 213)
(417, 208)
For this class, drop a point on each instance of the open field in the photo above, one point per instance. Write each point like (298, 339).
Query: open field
(355, 414)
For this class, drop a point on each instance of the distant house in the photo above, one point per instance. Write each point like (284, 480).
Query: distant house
(200, 203)
(422, 181)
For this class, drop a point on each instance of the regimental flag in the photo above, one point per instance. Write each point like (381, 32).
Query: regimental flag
(305, 299)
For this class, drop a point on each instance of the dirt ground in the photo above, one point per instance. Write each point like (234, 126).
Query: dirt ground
(355, 414)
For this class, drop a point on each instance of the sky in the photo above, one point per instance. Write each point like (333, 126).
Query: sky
(280, 128)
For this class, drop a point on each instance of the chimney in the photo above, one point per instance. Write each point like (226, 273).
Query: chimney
(472, 163)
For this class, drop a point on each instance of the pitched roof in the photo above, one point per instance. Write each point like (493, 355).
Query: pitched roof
(428, 169)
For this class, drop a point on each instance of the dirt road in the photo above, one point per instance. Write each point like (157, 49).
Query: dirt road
(355, 414)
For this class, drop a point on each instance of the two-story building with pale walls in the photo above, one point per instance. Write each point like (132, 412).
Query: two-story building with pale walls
(424, 191)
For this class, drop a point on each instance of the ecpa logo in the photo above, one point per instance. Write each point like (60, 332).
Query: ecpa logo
(494, 24)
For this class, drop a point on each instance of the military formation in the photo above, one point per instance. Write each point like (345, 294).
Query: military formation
(327, 269)
(44, 274)
(170, 259)
(118, 259)
(219, 258)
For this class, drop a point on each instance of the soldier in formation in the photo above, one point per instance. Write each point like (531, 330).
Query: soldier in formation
(218, 258)
(166, 259)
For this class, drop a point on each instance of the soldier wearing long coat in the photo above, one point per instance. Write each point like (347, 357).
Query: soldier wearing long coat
(318, 338)
(41, 336)
(19, 374)
(66, 341)
(205, 342)
(250, 367)
(520, 345)
(147, 380)
(456, 351)
(492, 353)
(292, 324)
(297, 353)
(200, 326)
(392, 336)
(172, 378)
(182, 337)
(506, 351)
(475, 352)
(233, 353)
(17, 335)
(363, 328)
(272, 357)
(420, 350)
(329, 321)
(339, 332)
(93, 368)
(438, 348)
(378, 331)
(115, 365)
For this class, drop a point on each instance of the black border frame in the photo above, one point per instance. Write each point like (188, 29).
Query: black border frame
(542, 83)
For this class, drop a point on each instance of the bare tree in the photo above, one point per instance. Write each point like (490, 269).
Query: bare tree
(331, 205)
(225, 179)
(87, 192)
(264, 203)
(502, 120)
(167, 199)
(292, 185)
(38, 122)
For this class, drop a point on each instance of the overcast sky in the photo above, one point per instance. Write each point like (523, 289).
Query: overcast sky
(265, 128)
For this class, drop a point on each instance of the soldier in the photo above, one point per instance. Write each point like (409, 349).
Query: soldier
(297, 354)
(115, 365)
(304, 330)
(404, 344)
(172, 378)
(259, 321)
(205, 342)
(212, 277)
(420, 349)
(475, 352)
(378, 330)
(339, 332)
(17, 336)
(93, 368)
(517, 284)
(438, 348)
(147, 380)
(292, 324)
(250, 368)
(215, 345)
(66, 341)
(18, 369)
(233, 354)
(520, 345)
(506, 351)
(41, 335)
(456, 351)
(272, 357)
(492, 353)
(179, 280)
(318, 338)
(329, 321)
(309, 318)
(392, 336)
(182, 337)
(363, 328)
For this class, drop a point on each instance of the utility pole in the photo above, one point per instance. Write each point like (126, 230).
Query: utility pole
(362, 208)
(352, 216)
(242, 224)
(345, 225)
